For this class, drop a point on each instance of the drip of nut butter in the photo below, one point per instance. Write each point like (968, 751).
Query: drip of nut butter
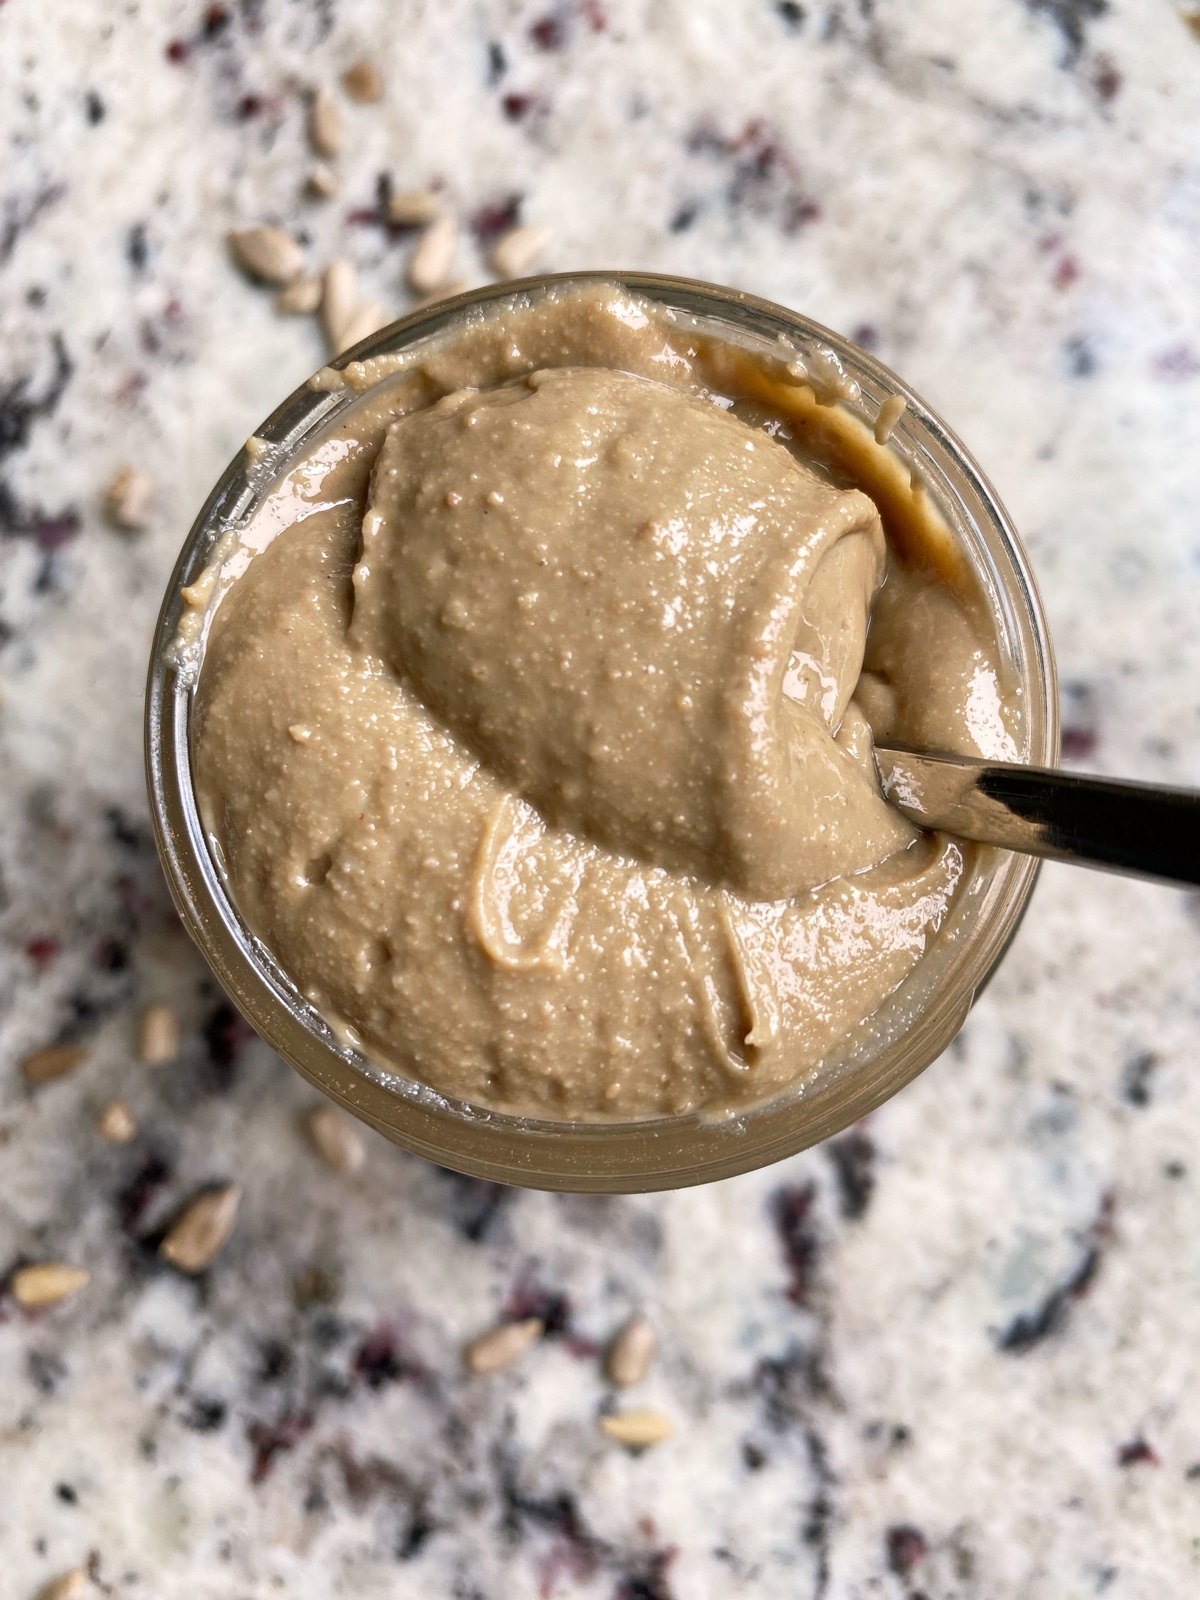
(536, 737)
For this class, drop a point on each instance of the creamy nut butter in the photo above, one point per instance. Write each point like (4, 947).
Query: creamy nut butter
(534, 728)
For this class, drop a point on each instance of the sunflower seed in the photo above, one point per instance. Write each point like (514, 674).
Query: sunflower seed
(631, 1352)
(638, 1428)
(336, 1139)
(158, 1035)
(54, 1061)
(70, 1586)
(325, 124)
(367, 319)
(47, 1283)
(299, 298)
(432, 261)
(515, 251)
(890, 412)
(321, 183)
(413, 208)
(201, 1229)
(362, 82)
(499, 1348)
(268, 253)
(339, 298)
(129, 499)
(116, 1123)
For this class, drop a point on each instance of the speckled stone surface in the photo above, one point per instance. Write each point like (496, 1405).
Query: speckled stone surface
(955, 1353)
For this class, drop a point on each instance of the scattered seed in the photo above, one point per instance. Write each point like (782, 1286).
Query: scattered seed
(322, 183)
(158, 1035)
(339, 298)
(298, 733)
(413, 208)
(46, 1284)
(631, 1352)
(890, 412)
(201, 1229)
(446, 292)
(70, 1586)
(54, 1061)
(336, 1139)
(637, 1428)
(268, 253)
(325, 124)
(116, 1123)
(499, 1348)
(515, 252)
(361, 81)
(255, 447)
(432, 261)
(129, 499)
(368, 319)
(299, 298)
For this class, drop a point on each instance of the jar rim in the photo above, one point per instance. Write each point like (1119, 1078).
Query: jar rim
(908, 1031)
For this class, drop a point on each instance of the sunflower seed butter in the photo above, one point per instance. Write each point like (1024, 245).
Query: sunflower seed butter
(536, 736)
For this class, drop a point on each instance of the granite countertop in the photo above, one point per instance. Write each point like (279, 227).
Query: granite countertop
(954, 1352)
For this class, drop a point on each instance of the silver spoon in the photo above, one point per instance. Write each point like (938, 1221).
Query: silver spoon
(1144, 829)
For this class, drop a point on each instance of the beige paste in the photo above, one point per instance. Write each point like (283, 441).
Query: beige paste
(535, 740)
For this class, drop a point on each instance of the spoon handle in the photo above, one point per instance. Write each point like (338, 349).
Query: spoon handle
(1143, 829)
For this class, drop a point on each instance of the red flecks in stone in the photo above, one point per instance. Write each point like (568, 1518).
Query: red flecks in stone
(177, 52)
(216, 20)
(490, 221)
(516, 107)
(51, 533)
(133, 897)
(548, 33)
(906, 1547)
(866, 335)
(130, 388)
(42, 950)
(135, 1199)
(1137, 1453)
(250, 106)
(1078, 743)
(1066, 272)
(1106, 78)
(381, 1359)
(1179, 362)
(1049, 242)
(567, 1560)
(594, 14)
(270, 1439)
(799, 213)
(551, 1308)
(792, 1207)
(581, 1347)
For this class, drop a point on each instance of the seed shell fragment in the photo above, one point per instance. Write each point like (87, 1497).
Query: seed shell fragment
(637, 1428)
(503, 1345)
(51, 1062)
(267, 253)
(202, 1229)
(631, 1352)
(46, 1283)
(336, 1139)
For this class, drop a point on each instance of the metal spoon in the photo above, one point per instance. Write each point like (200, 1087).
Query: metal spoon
(1143, 829)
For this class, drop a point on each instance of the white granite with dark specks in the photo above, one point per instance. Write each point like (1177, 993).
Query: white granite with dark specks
(955, 1354)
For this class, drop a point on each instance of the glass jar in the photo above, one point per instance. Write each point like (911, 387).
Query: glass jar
(911, 1028)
